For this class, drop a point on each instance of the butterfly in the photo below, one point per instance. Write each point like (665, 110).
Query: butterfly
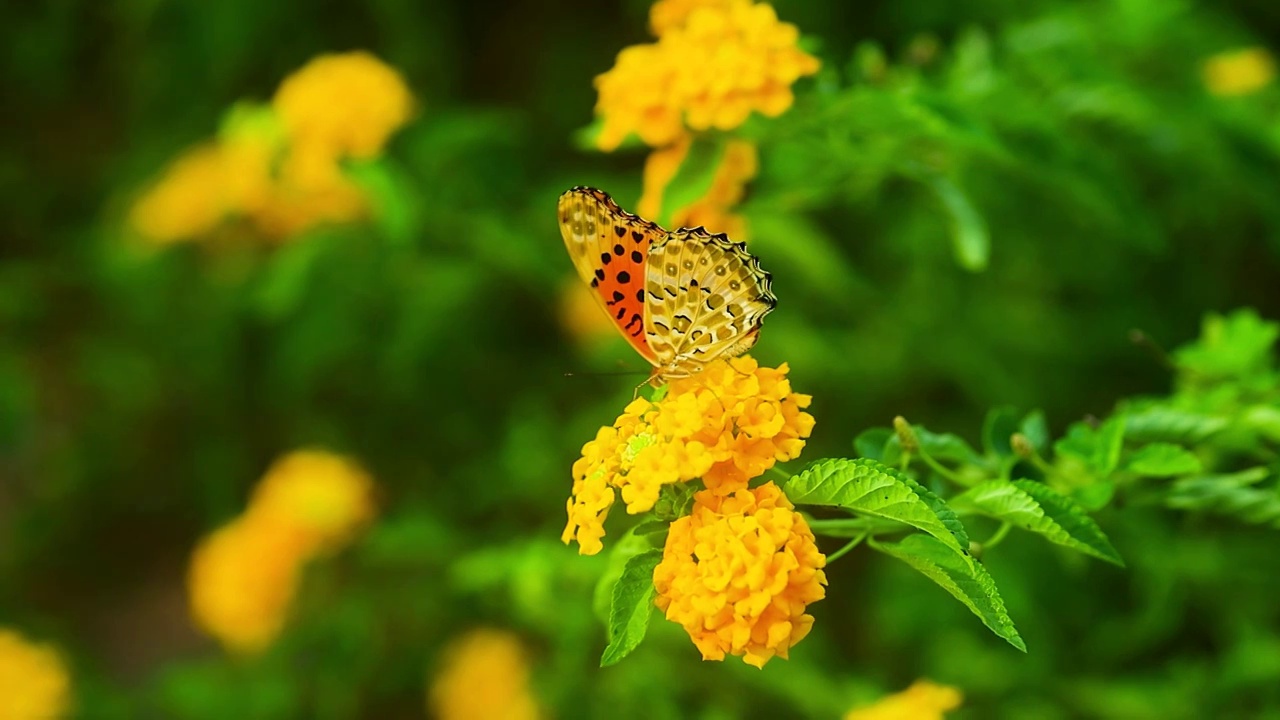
(682, 298)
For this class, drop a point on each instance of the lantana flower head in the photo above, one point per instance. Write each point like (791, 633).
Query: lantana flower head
(243, 577)
(727, 424)
(1239, 72)
(711, 67)
(738, 573)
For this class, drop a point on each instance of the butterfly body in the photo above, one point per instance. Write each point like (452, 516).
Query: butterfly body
(682, 298)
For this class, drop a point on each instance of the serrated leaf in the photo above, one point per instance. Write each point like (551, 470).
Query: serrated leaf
(1162, 460)
(632, 606)
(962, 576)
(998, 429)
(870, 488)
(1235, 345)
(1038, 508)
(1161, 424)
(638, 539)
(870, 443)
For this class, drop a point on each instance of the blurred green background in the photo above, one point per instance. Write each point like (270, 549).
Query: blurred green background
(972, 205)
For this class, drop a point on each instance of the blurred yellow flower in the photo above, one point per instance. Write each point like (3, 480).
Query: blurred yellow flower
(347, 104)
(188, 200)
(243, 577)
(713, 210)
(723, 62)
(660, 168)
(580, 314)
(1239, 72)
(484, 675)
(738, 573)
(324, 498)
(242, 581)
(924, 700)
(670, 14)
(727, 424)
(281, 166)
(34, 683)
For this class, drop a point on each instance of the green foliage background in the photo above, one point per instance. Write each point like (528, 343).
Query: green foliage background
(972, 206)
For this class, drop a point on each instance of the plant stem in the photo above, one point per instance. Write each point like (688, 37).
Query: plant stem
(997, 536)
(847, 547)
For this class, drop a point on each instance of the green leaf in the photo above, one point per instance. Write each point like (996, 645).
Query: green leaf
(1162, 424)
(1230, 494)
(1097, 448)
(693, 180)
(945, 446)
(1162, 460)
(870, 443)
(1237, 345)
(868, 487)
(632, 606)
(637, 540)
(962, 576)
(969, 237)
(998, 428)
(1037, 508)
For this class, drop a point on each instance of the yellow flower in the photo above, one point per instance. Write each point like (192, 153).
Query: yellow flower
(1239, 72)
(713, 210)
(484, 676)
(242, 581)
(347, 104)
(243, 576)
(188, 200)
(670, 14)
(34, 684)
(727, 424)
(322, 497)
(924, 700)
(725, 61)
(738, 573)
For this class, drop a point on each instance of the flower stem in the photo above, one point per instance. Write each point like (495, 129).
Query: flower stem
(847, 547)
(997, 536)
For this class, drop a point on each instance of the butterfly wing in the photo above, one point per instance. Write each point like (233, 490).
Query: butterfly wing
(610, 247)
(706, 297)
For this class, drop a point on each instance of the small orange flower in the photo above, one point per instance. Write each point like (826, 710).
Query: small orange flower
(738, 573)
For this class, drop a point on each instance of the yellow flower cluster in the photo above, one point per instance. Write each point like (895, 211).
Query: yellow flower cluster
(924, 700)
(280, 167)
(727, 424)
(714, 211)
(1239, 72)
(243, 577)
(738, 574)
(34, 684)
(714, 64)
(483, 676)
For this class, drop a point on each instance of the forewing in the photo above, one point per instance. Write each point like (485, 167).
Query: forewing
(706, 297)
(609, 247)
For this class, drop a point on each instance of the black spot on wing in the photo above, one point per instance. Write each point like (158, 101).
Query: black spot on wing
(624, 277)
